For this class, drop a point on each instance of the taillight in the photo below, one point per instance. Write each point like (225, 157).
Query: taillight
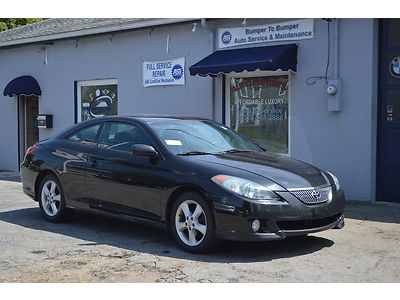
(31, 149)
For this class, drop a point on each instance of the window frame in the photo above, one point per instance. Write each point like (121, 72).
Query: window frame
(95, 82)
(67, 137)
(133, 123)
(227, 99)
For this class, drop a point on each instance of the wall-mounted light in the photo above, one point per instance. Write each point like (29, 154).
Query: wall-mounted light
(244, 22)
(194, 27)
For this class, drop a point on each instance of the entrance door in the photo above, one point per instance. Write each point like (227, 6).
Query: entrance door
(28, 130)
(258, 107)
(388, 177)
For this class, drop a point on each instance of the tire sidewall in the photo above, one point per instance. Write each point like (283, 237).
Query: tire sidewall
(59, 216)
(209, 240)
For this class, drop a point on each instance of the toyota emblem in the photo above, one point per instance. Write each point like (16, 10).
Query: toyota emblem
(316, 194)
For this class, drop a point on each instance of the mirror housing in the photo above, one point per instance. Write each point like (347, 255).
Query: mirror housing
(144, 150)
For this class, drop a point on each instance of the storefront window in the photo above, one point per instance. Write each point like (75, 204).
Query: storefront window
(97, 98)
(259, 109)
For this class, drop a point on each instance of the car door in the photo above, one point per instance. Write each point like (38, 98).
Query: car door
(73, 154)
(119, 182)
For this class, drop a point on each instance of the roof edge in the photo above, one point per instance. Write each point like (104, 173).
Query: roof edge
(93, 31)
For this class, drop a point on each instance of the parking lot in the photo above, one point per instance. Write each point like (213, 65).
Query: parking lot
(97, 249)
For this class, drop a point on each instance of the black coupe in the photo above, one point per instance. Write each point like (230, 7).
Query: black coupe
(195, 177)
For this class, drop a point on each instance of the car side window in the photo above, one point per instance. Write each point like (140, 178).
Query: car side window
(86, 135)
(122, 136)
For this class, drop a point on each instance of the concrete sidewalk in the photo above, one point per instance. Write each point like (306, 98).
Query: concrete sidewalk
(7, 175)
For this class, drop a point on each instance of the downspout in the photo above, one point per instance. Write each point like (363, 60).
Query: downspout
(205, 25)
(336, 50)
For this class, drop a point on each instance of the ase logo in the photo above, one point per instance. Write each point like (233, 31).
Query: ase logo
(177, 72)
(394, 67)
(226, 37)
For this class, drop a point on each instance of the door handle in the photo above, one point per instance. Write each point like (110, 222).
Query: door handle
(93, 163)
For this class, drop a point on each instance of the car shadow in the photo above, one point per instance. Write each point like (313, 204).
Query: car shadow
(386, 212)
(99, 230)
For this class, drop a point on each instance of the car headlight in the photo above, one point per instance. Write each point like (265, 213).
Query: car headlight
(245, 188)
(335, 180)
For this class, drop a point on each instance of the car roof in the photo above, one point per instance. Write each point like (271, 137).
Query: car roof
(161, 118)
(146, 119)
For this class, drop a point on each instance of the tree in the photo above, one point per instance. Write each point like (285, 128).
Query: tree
(6, 24)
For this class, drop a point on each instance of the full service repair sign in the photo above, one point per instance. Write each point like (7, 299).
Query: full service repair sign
(294, 30)
(168, 72)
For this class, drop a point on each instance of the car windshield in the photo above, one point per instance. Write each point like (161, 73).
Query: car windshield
(196, 137)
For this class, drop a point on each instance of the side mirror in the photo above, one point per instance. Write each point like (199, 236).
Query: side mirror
(144, 150)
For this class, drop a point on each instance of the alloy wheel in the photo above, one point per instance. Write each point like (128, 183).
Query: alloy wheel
(191, 223)
(50, 198)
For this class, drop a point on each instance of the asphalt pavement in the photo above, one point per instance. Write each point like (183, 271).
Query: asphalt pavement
(90, 248)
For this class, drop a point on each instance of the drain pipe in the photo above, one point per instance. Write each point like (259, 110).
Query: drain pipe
(334, 84)
(336, 49)
(205, 25)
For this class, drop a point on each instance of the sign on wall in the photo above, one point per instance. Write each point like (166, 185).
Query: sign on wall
(287, 31)
(168, 72)
(97, 98)
(259, 109)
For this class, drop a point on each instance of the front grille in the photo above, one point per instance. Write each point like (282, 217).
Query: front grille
(307, 224)
(313, 196)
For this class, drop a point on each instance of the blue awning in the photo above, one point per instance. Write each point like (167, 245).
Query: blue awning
(23, 85)
(269, 58)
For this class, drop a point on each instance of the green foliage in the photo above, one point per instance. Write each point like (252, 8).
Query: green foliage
(6, 24)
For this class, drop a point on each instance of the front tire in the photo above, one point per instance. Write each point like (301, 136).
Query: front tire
(192, 223)
(51, 199)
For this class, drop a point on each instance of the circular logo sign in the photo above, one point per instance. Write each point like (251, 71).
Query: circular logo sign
(226, 37)
(177, 72)
(394, 67)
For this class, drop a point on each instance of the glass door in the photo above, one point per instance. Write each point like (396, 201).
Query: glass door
(258, 107)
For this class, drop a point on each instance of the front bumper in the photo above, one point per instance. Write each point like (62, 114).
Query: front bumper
(278, 234)
(233, 218)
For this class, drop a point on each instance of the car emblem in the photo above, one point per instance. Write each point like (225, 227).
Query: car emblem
(316, 194)
(394, 67)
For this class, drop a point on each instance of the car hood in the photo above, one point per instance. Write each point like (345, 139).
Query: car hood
(287, 172)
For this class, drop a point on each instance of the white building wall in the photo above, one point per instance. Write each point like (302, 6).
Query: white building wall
(342, 142)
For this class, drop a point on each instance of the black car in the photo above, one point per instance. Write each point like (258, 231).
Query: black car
(196, 177)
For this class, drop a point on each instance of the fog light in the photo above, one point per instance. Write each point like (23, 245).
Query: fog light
(255, 225)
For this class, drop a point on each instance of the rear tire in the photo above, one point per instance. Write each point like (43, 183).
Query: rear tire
(51, 199)
(192, 223)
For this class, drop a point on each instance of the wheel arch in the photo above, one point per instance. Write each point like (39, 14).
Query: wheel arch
(181, 190)
(39, 178)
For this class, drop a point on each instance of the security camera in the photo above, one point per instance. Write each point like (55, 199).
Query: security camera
(331, 89)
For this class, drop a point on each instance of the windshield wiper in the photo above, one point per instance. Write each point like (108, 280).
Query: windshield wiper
(194, 153)
(237, 151)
